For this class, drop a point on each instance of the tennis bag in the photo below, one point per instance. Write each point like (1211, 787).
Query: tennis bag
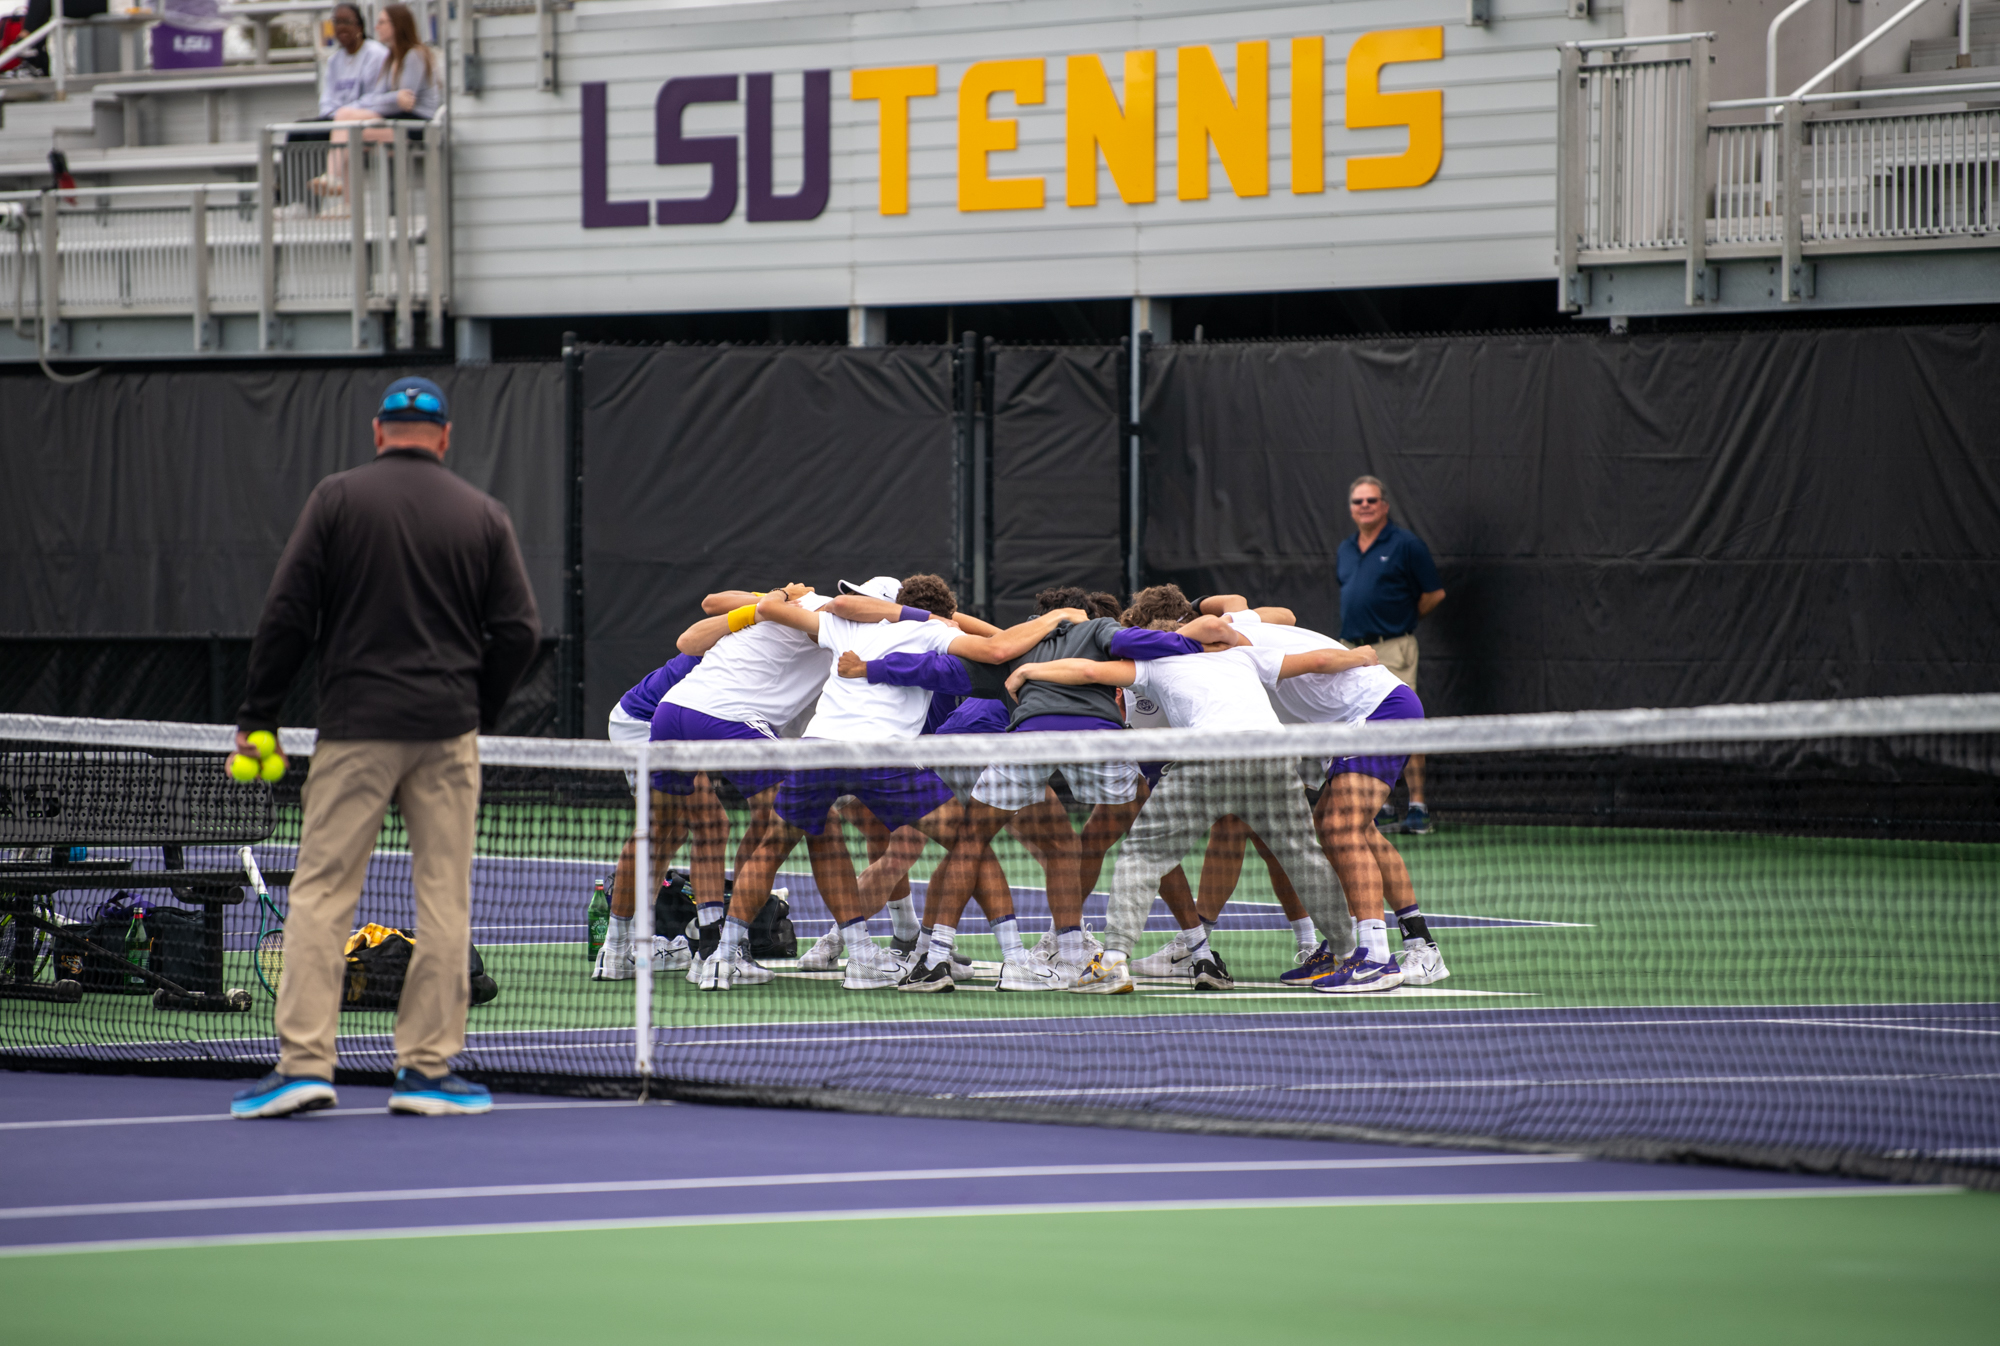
(771, 934)
(174, 947)
(378, 960)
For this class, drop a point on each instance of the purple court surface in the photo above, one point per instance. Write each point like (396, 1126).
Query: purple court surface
(97, 1160)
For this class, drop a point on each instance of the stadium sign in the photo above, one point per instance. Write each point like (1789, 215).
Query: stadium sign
(771, 154)
(1099, 127)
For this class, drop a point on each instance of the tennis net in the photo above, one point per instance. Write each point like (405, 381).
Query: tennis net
(1762, 934)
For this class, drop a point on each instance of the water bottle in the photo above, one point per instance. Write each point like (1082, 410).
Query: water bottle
(138, 947)
(600, 920)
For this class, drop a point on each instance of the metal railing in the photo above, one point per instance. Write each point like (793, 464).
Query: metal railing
(358, 226)
(1641, 156)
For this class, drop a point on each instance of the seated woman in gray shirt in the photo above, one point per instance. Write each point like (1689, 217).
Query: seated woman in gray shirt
(408, 90)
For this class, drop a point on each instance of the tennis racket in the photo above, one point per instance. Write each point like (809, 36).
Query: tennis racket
(270, 956)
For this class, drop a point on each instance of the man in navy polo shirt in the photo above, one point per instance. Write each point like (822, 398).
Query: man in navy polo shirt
(1387, 582)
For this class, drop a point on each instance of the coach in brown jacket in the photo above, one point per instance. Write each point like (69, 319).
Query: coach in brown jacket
(409, 584)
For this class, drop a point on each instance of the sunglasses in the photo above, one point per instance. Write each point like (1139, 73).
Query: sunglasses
(403, 399)
(1358, 500)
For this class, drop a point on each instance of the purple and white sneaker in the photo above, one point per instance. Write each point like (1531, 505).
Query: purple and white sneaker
(1356, 973)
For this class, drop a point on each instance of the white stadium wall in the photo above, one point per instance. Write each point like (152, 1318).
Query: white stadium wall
(1454, 182)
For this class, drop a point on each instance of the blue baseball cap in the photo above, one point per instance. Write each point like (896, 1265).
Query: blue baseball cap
(414, 400)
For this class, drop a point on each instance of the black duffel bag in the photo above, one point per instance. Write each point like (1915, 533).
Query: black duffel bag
(378, 961)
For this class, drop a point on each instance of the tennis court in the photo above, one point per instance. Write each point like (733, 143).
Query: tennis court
(563, 1219)
(1579, 1006)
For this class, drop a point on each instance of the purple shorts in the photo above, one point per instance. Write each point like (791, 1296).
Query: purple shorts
(1401, 704)
(896, 795)
(678, 722)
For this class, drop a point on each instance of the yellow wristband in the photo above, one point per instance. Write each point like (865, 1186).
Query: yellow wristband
(743, 616)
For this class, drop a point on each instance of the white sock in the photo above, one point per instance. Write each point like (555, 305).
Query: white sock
(854, 934)
(1302, 930)
(1196, 941)
(619, 935)
(1069, 944)
(708, 913)
(903, 911)
(733, 934)
(1374, 937)
(1008, 931)
(941, 941)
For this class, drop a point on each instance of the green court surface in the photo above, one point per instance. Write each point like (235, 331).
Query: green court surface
(1608, 918)
(1863, 1267)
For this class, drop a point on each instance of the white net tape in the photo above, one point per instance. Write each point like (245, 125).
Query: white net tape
(1478, 733)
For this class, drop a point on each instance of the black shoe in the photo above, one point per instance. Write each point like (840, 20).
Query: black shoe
(931, 977)
(1211, 975)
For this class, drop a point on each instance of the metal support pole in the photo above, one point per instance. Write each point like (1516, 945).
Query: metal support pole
(59, 56)
(198, 259)
(1694, 163)
(1135, 483)
(1793, 220)
(982, 478)
(437, 230)
(545, 41)
(471, 76)
(267, 244)
(401, 214)
(642, 921)
(52, 334)
(1569, 177)
(569, 699)
(965, 493)
(356, 187)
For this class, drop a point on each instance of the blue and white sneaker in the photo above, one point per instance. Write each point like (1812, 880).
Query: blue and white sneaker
(282, 1095)
(1417, 822)
(1356, 973)
(1319, 963)
(444, 1095)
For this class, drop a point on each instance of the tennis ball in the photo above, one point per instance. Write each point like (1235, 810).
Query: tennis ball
(241, 768)
(265, 743)
(273, 769)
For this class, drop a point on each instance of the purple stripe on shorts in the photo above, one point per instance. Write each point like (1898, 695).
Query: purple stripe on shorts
(678, 722)
(1401, 704)
(1056, 724)
(898, 796)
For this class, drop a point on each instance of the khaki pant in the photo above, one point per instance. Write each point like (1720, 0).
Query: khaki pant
(1399, 656)
(436, 784)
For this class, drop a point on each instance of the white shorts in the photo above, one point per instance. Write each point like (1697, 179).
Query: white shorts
(1016, 787)
(623, 728)
(961, 779)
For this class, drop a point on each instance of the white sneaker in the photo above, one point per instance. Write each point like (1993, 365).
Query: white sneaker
(1105, 975)
(961, 966)
(1030, 973)
(1421, 962)
(872, 967)
(614, 963)
(721, 973)
(825, 955)
(1172, 960)
(1046, 948)
(671, 955)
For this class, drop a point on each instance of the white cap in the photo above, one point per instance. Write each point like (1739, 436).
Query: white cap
(884, 587)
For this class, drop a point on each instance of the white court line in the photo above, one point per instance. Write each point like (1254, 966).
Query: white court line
(1397, 992)
(66, 1122)
(1894, 1028)
(1349, 1086)
(944, 1212)
(284, 1200)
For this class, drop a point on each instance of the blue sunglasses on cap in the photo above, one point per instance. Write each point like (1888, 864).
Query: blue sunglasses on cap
(403, 399)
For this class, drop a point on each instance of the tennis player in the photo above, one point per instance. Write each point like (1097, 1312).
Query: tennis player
(856, 710)
(1220, 689)
(755, 677)
(631, 721)
(1371, 870)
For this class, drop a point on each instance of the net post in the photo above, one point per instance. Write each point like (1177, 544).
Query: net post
(642, 922)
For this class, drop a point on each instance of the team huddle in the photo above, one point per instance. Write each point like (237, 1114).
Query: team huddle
(889, 659)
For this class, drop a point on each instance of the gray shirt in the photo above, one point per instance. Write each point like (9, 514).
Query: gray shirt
(1089, 640)
(349, 79)
(418, 77)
